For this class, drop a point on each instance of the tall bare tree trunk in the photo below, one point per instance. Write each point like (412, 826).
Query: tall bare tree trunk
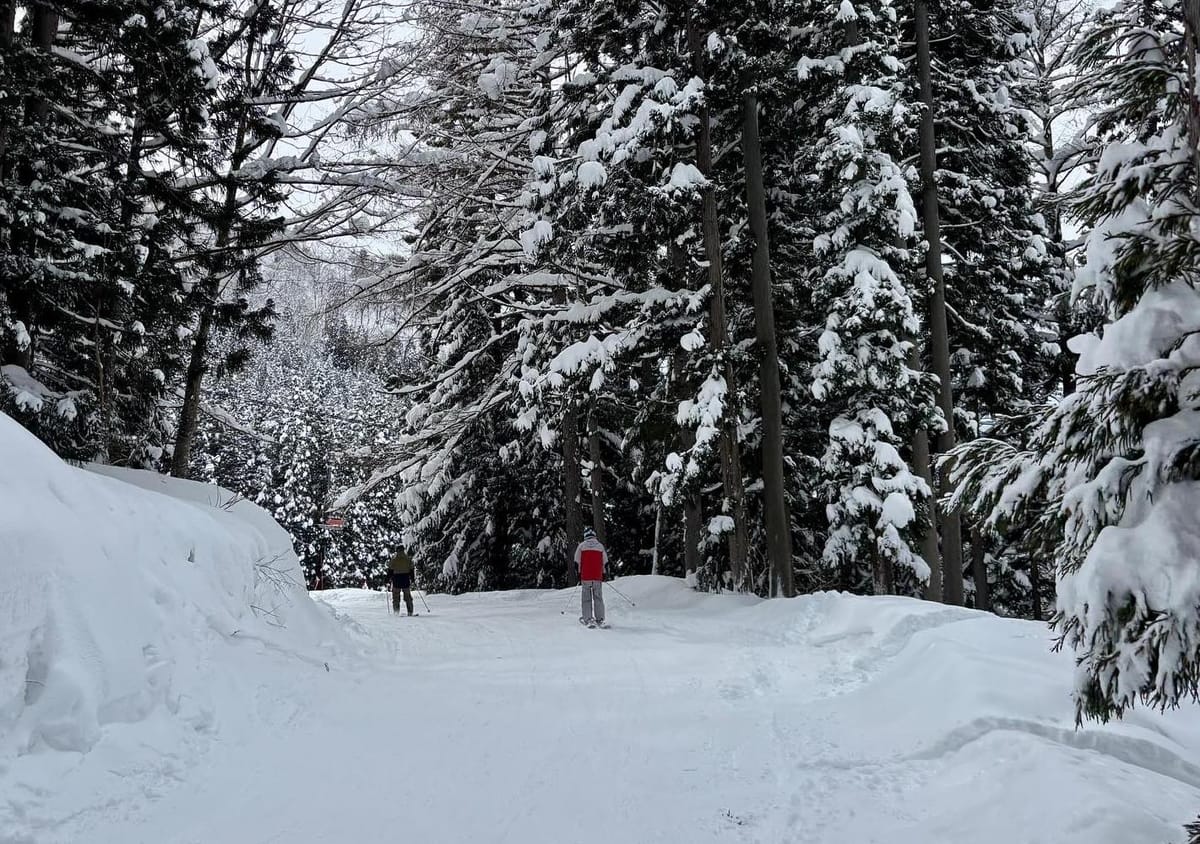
(778, 522)
(22, 299)
(572, 486)
(951, 526)
(693, 520)
(1191, 40)
(8, 107)
(8, 29)
(731, 459)
(930, 549)
(658, 517)
(189, 416)
(1035, 587)
(104, 349)
(1062, 307)
(44, 30)
(103, 405)
(983, 593)
(687, 441)
(501, 564)
(596, 477)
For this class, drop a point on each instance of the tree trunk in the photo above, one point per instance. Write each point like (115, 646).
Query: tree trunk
(500, 562)
(1066, 358)
(317, 581)
(22, 298)
(1053, 213)
(775, 506)
(692, 517)
(889, 578)
(883, 577)
(103, 405)
(44, 30)
(730, 451)
(983, 593)
(105, 350)
(572, 486)
(596, 477)
(658, 514)
(878, 580)
(1191, 40)
(1035, 588)
(8, 29)
(185, 434)
(189, 415)
(930, 549)
(693, 520)
(951, 526)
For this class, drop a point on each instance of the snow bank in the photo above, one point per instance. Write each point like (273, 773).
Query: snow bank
(121, 595)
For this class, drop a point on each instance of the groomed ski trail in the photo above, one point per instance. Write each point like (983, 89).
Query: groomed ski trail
(827, 719)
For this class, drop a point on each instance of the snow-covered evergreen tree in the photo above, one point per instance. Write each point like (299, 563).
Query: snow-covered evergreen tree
(1002, 282)
(863, 282)
(480, 491)
(1106, 480)
(659, 227)
(117, 97)
(998, 273)
(291, 430)
(621, 194)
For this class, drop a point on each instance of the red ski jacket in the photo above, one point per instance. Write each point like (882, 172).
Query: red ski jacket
(590, 559)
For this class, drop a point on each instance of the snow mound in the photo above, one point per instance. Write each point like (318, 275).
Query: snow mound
(121, 593)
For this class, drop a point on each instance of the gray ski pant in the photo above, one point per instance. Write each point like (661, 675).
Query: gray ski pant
(592, 597)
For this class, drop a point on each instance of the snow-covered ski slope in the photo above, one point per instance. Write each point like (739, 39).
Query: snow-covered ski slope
(696, 718)
(154, 689)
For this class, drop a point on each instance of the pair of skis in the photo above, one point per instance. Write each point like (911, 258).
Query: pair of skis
(592, 625)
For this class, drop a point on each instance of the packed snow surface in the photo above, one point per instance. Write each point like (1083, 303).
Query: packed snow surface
(829, 719)
(145, 699)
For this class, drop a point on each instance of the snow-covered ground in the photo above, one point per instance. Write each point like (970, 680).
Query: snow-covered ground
(141, 620)
(696, 718)
(149, 694)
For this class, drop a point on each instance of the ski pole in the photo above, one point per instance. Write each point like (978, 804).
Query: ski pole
(570, 597)
(421, 595)
(622, 594)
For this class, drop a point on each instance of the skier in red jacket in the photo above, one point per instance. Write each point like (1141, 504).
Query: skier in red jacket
(590, 562)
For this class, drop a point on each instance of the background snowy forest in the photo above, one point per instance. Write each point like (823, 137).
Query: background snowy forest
(778, 296)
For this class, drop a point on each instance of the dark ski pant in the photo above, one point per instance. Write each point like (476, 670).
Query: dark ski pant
(401, 584)
(593, 600)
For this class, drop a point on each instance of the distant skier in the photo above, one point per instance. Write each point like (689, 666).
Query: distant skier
(590, 562)
(402, 572)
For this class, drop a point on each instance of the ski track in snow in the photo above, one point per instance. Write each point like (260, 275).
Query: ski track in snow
(498, 719)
